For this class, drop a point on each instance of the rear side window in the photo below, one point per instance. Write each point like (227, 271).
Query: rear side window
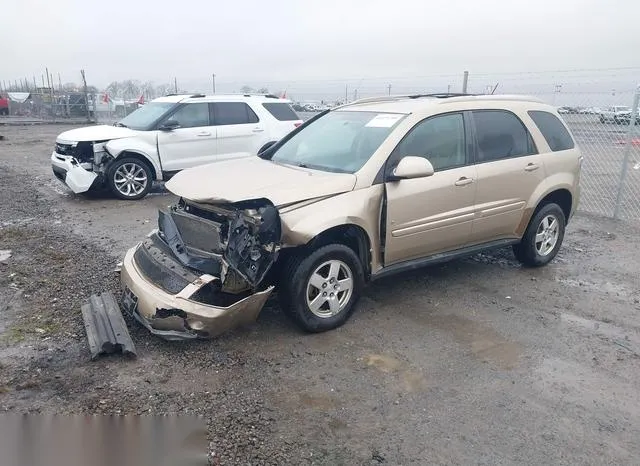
(501, 135)
(553, 130)
(233, 113)
(281, 111)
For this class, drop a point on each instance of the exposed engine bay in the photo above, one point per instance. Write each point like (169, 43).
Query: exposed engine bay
(236, 242)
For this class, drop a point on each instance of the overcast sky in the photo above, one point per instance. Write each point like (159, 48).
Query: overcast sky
(284, 41)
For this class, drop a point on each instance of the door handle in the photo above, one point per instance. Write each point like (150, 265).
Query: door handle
(531, 167)
(204, 133)
(258, 130)
(463, 181)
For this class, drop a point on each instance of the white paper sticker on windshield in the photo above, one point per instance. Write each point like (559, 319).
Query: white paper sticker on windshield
(384, 120)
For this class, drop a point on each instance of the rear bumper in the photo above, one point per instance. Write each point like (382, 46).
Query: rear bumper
(179, 316)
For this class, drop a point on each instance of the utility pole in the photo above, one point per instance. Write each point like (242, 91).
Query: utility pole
(213, 77)
(346, 93)
(448, 88)
(389, 89)
(465, 81)
(175, 84)
(59, 83)
(86, 97)
(557, 89)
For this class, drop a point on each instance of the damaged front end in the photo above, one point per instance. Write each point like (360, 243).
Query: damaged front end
(81, 165)
(203, 271)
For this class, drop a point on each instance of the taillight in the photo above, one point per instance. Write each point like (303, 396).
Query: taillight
(297, 124)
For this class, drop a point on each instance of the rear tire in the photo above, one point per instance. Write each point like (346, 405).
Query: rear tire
(130, 178)
(543, 237)
(319, 291)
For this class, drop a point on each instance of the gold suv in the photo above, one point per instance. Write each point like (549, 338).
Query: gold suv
(372, 188)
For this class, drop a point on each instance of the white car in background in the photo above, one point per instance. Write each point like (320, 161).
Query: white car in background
(167, 135)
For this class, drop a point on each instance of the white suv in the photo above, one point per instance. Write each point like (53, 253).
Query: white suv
(167, 135)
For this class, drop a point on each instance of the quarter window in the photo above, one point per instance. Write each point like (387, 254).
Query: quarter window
(553, 130)
(233, 113)
(192, 115)
(281, 111)
(439, 139)
(501, 135)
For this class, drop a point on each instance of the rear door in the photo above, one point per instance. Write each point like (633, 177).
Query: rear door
(240, 131)
(193, 143)
(509, 170)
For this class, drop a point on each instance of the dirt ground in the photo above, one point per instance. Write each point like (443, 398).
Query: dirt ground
(475, 362)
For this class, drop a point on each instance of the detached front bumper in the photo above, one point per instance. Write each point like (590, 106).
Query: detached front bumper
(171, 301)
(68, 170)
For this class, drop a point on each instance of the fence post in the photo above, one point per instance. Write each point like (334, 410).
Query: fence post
(465, 81)
(627, 152)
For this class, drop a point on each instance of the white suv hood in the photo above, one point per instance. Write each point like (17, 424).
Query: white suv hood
(96, 133)
(253, 178)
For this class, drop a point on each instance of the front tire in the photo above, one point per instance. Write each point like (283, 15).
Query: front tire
(130, 178)
(542, 238)
(319, 291)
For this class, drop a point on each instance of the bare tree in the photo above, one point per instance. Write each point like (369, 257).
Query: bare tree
(246, 89)
(263, 90)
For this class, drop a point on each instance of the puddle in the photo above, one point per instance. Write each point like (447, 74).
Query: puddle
(410, 380)
(606, 287)
(16, 223)
(383, 363)
(5, 254)
(625, 338)
(317, 401)
(484, 342)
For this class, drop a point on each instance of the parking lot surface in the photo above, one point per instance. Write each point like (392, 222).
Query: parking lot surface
(478, 361)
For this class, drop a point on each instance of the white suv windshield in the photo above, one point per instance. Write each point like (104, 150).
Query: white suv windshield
(146, 115)
(340, 141)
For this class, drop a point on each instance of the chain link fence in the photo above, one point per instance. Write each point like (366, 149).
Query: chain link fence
(599, 106)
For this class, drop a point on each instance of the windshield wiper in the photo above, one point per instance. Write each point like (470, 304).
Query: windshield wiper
(120, 125)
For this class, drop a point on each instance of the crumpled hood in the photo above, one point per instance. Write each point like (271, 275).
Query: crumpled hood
(96, 133)
(255, 178)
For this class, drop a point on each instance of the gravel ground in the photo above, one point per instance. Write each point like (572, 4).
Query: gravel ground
(474, 362)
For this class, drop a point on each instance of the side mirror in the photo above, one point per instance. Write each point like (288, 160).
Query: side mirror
(412, 167)
(169, 125)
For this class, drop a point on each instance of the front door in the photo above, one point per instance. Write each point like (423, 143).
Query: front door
(434, 214)
(509, 171)
(240, 132)
(193, 143)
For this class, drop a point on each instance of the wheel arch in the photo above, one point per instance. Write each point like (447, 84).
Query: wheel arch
(560, 195)
(144, 159)
(351, 235)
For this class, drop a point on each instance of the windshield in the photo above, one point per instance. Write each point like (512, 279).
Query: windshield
(340, 141)
(623, 109)
(146, 115)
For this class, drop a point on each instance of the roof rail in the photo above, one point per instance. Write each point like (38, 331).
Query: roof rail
(441, 95)
(173, 94)
(393, 98)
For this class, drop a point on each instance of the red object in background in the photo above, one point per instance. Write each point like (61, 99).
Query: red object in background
(4, 102)
(105, 98)
(141, 100)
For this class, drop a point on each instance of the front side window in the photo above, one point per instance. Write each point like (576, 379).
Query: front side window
(553, 130)
(439, 139)
(501, 135)
(144, 117)
(233, 113)
(192, 115)
(340, 141)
